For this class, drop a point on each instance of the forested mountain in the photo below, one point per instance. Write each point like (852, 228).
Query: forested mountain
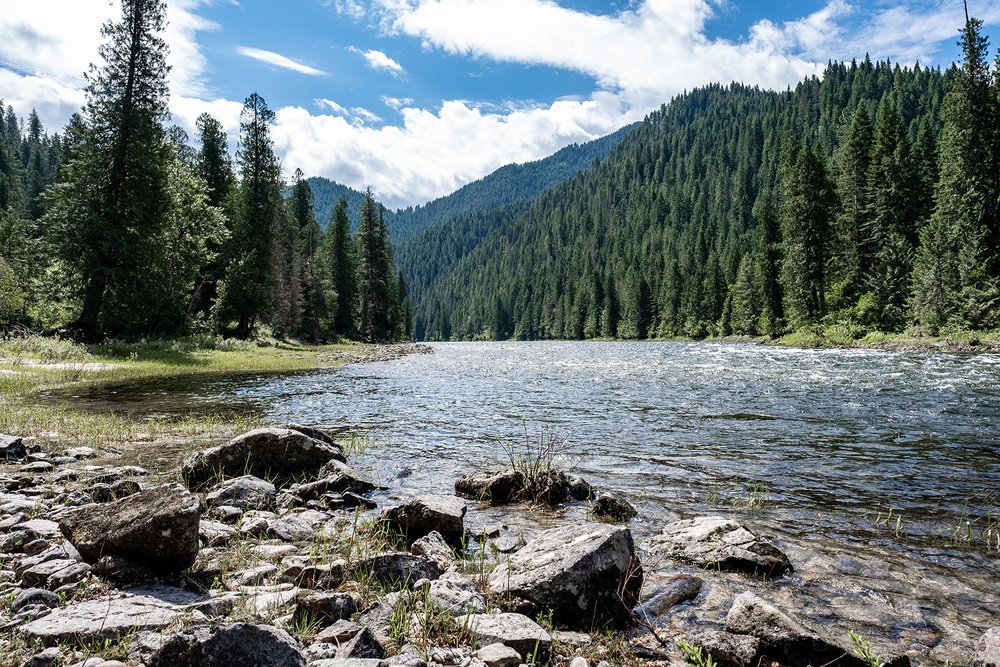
(507, 185)
(866, 198)
(327, 193)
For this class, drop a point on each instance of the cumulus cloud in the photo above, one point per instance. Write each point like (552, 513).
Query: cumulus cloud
(278, 60)
(378, 60)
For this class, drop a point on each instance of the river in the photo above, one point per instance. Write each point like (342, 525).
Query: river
(878, 472)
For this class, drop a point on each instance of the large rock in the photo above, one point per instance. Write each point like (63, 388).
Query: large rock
(434, 547)
(514, 630)
(157, 528)
(246, 492)
(233, 645)
(335, 477)
(426, 514)
(278, 454)
(456, 594)
(98, 620)
(495, 488)
(587, 575)
(716, 543)
(610, 507)
(988, 649)
(789, 641)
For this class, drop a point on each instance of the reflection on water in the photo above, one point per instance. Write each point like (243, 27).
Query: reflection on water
(836, 437)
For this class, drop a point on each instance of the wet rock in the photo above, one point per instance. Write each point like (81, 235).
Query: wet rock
(397, 570)
(496, 488)
(232, 645)
(681, 589)
(727, 649)
(433, 546)
(102, 619)
(157, 528)
(12, 448)
(514, 630)
(789, 641)
(246, 493)
(335, 477)
(588, 575)
(271, 453)
(103, 493)
(499, 655)
(327, 607)
(442, 514)
(987, 649)
(716, 543)
(457, 594)
(612, 508)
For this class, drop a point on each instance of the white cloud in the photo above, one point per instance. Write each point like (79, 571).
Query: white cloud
(332, 106)
(378, 60)
(278, 60)
(396, 103)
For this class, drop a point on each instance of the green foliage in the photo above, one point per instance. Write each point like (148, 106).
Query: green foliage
(863, 649)
(695, 656)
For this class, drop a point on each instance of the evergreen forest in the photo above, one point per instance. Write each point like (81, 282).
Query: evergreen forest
(866, 199)
(119, 226)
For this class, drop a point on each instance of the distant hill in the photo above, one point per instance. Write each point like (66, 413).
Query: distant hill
(507, 185)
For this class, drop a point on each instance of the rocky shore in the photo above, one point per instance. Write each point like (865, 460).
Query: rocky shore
(272, 551)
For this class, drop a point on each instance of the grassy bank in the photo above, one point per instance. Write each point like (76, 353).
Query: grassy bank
(31, 366)
(843, 336)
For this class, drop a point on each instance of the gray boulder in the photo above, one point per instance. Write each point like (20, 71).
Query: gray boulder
(514, 630)
(988, 649)
(421, 516)
(232, 645)
(496, 488)
(680, 590)
(269, 453)
(397, 570)
(245, 492)
(727, 649)
(433, 546)
(327, 607)
(456, 594)
(587, 575)
(789, 641)
(363, 645)
(157, 528)
(716, 543)
(499, 655)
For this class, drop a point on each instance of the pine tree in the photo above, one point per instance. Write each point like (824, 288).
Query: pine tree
(746, 300)
(340, 263)
(772, 312)
(314, 312)
(214, 164)
(246, 291)
(375, 273)
(854, 158)
(105, 232)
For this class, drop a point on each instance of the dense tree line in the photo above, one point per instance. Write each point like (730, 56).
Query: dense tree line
(119, 227)
(867, 198)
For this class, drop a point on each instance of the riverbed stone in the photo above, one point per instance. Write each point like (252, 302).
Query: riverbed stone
(231, 645)
(679, 590)
(587, 575)
(433, 546)
(611, 507)
(987, 649)
(245, 492)
(34, 597)
(397, 570)
(514, 630)
(425, 514)
(499, 655)
(327, 607)
(55, 573)
(12, 448)
(277, 454)
(496, 488)
(157, 528)
(790, 641)
(456, 594)
(717, 543)
(101, 619)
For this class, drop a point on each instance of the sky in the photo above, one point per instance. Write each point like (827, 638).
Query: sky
(419, 97)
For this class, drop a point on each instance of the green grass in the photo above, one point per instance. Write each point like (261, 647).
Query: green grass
(34, 365)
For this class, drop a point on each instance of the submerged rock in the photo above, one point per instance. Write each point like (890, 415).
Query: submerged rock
(157, 528)
(426, 514)
(611, 507)
(269, 453)
(716, 543)
(587, 575)
(790, 641)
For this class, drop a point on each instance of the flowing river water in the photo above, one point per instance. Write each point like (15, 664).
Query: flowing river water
(877, 472)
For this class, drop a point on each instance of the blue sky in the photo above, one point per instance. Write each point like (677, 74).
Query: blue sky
(418, 97)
